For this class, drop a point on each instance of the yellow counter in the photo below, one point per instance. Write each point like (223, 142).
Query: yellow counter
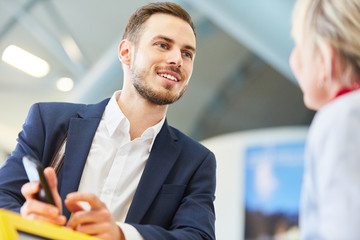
(15, 227)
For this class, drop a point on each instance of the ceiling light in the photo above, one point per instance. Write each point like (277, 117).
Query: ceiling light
(25, 61)
(71, 48)
(65, 84)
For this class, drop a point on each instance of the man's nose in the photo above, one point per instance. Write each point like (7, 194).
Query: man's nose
(175, 58)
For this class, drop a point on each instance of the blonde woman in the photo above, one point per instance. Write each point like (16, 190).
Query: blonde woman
(326, 63)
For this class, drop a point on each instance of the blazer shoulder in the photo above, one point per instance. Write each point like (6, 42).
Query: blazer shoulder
(58, 112)
(55, 109)
(66, 108)
(57, 106)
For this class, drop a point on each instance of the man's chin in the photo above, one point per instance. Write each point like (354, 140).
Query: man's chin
(158, 100)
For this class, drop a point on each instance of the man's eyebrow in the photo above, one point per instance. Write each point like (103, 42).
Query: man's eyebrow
(161, 37)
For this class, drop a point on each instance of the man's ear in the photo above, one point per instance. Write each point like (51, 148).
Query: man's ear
(125, 52)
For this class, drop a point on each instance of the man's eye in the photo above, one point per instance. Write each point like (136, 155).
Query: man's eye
(162, 45)
(187, 54)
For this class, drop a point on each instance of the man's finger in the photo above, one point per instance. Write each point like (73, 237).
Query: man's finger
(30, 189)
(59, 220)
(87, 217)
(72, 201)
(32, 206)
(51, 178)
(96, 228)
(33, 209)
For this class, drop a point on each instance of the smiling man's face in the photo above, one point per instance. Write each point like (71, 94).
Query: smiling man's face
(163, 59)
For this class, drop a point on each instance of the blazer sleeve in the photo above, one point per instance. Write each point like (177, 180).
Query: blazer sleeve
(12, 174)
(195, 216)
(44, 127)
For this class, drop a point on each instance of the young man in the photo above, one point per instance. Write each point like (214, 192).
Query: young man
(141, 178)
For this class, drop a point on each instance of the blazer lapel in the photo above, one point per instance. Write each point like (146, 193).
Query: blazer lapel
(163, 155)
(80, 136)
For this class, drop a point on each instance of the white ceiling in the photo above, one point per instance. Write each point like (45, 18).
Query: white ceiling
(39, 26)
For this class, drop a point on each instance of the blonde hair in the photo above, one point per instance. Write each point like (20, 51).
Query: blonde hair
(336, 23)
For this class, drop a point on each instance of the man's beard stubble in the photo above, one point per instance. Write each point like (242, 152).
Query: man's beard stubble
(151, 94)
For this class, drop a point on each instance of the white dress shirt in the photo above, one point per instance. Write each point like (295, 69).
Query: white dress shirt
(330, 207)
(115, 163)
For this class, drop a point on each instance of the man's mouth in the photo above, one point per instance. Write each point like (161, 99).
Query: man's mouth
(168, 76)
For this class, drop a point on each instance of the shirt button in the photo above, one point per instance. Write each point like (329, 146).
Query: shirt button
(122, 153)
(108, 192)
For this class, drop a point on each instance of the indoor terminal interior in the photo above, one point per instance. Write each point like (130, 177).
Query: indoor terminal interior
(243, 101)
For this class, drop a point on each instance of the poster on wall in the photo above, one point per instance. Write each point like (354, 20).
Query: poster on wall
(273, 178)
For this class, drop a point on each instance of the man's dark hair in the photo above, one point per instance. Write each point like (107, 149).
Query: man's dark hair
(142, 14)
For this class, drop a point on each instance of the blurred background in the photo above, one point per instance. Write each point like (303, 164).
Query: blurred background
(241, 82)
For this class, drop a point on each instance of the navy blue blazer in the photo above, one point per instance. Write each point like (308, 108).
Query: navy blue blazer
(174, 198)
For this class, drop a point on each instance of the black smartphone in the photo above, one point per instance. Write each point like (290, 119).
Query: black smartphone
(35, 173)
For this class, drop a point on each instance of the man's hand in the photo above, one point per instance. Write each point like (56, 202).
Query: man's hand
(34, 209)
(97, 221)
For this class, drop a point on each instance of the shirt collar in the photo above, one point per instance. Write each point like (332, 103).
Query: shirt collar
(344, 91)
(114, 118)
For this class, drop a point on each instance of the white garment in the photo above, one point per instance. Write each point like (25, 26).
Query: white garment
(330, 204)
(115, 164)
